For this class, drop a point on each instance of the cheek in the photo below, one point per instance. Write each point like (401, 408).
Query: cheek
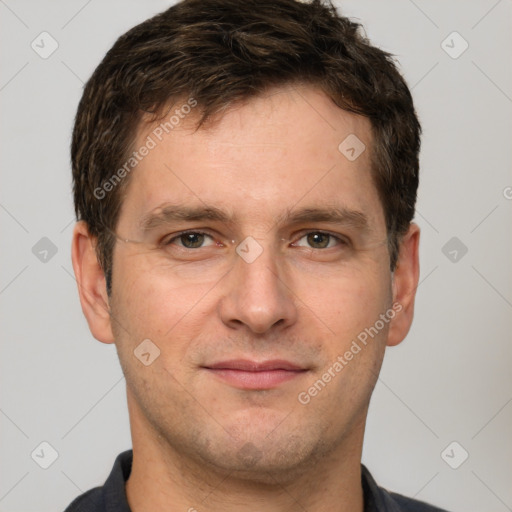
(154, 302)
(346, 302)
(349, 307)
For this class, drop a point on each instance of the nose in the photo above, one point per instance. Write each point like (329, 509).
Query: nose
(258, 296)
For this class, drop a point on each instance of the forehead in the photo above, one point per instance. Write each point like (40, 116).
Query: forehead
(259, 158)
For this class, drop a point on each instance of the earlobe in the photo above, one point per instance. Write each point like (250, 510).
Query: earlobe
(90, 279)
(405, 282)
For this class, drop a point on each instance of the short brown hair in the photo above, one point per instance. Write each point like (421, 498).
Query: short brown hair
(223, 51)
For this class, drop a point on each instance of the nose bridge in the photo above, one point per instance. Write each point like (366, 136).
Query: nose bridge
(258, 296)
(260, 277)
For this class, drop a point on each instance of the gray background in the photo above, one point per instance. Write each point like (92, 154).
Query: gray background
(449, 381)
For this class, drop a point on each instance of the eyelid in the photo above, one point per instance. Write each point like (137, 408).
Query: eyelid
(342, 239)
(168, 239)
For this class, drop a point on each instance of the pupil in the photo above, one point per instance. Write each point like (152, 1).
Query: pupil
(192, 240)
(318, 240)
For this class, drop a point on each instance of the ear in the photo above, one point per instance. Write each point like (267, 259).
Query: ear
(91, 283)
(405, 282)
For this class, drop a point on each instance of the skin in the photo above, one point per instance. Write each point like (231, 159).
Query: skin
(199, 442)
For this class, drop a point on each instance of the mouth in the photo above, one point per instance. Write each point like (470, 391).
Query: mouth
(247, 374)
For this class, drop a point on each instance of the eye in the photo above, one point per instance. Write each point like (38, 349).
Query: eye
(191, 240)
(319, 240)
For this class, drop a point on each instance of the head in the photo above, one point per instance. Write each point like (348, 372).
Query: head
(229, 119)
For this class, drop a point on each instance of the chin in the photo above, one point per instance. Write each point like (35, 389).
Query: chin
(268, 460)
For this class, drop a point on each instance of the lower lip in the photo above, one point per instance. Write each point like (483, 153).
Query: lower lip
(266, 379)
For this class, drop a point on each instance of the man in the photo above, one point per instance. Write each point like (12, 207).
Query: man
(245, 176)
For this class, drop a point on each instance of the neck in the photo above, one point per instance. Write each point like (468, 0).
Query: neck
(164, 479)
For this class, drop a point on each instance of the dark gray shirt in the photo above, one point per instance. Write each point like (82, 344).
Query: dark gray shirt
(112, 496)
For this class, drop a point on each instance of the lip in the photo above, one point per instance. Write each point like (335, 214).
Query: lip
(247, 374)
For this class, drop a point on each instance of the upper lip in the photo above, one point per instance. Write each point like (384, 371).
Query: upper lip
(254, 366)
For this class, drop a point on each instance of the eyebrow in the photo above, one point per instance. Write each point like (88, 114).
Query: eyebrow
(168, 214)
(329, 214)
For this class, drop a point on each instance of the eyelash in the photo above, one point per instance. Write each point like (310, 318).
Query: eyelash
(340, 240)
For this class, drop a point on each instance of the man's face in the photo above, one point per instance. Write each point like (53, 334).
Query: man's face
(251, 310)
